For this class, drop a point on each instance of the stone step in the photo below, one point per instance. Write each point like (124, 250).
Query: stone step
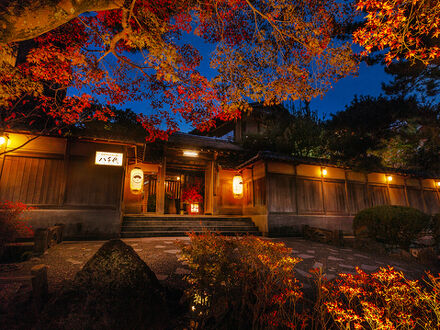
(187, 228)
(185, 218)
(181, 233)
(186, 223)
(151, 226)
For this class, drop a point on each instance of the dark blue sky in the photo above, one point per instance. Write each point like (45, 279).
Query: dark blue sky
(368, 82)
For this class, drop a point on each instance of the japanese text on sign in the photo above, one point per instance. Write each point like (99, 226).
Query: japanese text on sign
(108, 158)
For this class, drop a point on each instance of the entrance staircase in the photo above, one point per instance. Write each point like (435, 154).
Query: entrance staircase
(155, 226)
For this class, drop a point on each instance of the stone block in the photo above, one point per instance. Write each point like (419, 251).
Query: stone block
(39, 286)
(41, 240)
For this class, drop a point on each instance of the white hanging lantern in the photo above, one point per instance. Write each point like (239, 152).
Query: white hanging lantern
(237, 186)
(136, 180)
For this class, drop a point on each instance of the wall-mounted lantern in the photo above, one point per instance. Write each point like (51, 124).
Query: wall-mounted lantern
(190, 153)
(438, 184)
(323, 171)
(389, 178)
(237, 186)
(136, 180)
(3, 140)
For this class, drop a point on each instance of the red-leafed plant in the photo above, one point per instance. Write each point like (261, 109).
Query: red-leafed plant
(243, 283)
(12, 225)
(192, 195)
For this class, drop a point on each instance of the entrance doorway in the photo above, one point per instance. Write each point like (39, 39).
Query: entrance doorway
(184, 187)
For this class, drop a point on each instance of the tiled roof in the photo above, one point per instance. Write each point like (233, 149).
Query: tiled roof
(202, 142)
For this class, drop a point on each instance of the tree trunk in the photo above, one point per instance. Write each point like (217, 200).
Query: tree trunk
(26, 19)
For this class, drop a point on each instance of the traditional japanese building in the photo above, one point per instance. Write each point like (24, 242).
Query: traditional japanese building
(101, 188)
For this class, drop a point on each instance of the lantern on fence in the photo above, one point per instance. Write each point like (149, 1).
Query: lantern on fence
(136, 180)
(237, 186)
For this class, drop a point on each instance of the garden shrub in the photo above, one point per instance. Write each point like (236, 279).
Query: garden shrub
(396, 225)
(12, 225)
(242, 282)
(382, 300)
(435, 227)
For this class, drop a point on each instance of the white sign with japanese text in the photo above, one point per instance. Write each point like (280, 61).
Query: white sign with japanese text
(108, 158)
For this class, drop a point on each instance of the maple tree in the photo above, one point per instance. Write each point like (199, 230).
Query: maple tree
(407, 29)
(121, 51)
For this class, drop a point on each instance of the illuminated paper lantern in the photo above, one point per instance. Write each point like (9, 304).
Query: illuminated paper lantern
(136, 180)
(237, 186)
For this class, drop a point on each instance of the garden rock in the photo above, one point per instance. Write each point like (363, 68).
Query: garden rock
(114, 290)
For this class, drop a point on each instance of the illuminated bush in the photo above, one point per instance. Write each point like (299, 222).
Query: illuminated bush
(244, 283)
(11, 224)
(397, 225)
(382, 300)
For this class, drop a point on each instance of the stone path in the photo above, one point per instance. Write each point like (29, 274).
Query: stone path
(162, 253)
(334, 260)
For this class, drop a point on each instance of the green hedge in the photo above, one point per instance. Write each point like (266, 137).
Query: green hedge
(397, 225)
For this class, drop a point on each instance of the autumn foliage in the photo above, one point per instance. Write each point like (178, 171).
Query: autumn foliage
(267, 51)
(244, 283)
(407, 29)
(12, 225)
(249, 283)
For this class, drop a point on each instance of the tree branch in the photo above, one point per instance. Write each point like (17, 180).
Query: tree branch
(28, 19)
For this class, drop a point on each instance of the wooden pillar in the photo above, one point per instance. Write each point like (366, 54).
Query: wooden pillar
(347, 198)
(406, 192)
(367, 191)
(66, 161)
(160, 190)
(425, 206)
(296, 188)
(209, 188)
(322, 191)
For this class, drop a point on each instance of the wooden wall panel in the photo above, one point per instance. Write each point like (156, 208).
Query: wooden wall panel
(415, 198)
(90, 184)
(378, 195)
(31, 180)
(309, 196)
(259, 186)
(397, 196)
(281, 193)
(432, 201)
(357, 197)
(334, 197)
(281, 168)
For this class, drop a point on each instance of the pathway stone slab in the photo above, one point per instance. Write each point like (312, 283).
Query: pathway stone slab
(368, 268)
(172, 251)
(305, 256)
(73, 261)
(303, 273)
(360, 256)
(160, 247)
(161, 277)
(182, 271)
(346, 266)
(334, 258)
